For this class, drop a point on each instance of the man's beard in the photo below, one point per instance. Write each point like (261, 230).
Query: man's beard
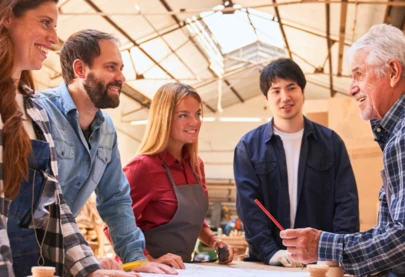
(98, 92)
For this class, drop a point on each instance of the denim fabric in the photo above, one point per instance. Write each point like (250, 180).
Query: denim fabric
(93, 166)
(24, 246)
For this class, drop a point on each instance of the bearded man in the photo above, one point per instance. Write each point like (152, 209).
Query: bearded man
(86, 141)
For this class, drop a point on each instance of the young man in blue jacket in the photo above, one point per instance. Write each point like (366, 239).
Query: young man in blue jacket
(299, 170)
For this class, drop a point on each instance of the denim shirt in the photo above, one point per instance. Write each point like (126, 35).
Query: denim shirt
(327, 193)
(84, 169)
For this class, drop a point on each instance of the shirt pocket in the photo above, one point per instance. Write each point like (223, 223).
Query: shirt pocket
(65, 153)
(103, 157)
(265, 168)
(319, 175)
(63, 149)
(267, 174)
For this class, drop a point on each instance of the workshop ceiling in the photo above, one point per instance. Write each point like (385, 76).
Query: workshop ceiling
(220, 47)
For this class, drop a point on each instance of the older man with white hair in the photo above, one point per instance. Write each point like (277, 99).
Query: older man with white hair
(378, 70)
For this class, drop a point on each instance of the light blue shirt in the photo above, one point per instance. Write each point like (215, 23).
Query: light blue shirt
(90, 166)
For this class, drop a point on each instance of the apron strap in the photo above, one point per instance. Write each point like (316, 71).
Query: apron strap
(195, 175)
(169, 174)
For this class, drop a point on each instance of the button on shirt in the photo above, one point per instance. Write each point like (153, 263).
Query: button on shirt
(382, 247)
(93, 166)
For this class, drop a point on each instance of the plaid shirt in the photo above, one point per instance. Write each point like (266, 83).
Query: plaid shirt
(383, 247)
(64, 246)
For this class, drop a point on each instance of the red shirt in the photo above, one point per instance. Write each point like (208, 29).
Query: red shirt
(153, 200)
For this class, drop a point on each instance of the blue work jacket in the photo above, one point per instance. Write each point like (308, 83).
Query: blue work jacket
(327, 192)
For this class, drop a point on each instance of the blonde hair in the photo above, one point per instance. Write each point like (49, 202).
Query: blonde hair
(157, 134)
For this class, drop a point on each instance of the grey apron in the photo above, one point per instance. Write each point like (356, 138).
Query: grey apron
(179, 235)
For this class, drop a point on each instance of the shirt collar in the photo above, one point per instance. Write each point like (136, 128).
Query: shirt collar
(69, 104)
(67, 101)
(169, 159)
(383, 128)
(308, 129)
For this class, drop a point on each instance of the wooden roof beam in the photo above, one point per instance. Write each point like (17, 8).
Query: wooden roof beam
(342, 34)
(168, 8)
(127, 36)
(287, 46)
(329, 45)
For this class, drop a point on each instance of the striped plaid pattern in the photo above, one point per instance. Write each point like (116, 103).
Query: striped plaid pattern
(6, 267)
(383, 247)
(64, 246)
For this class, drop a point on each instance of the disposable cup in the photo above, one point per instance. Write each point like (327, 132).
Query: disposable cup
(43, 271)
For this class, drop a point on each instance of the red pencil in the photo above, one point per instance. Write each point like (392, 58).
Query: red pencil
(269, 215)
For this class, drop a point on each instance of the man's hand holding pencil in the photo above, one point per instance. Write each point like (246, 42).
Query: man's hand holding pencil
(302, 244)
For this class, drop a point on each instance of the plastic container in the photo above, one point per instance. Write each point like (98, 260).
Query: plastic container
(43, 271)
(334, 269)
(316, 270)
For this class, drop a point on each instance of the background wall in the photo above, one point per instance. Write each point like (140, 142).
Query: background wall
(218, 140)
(364, 152)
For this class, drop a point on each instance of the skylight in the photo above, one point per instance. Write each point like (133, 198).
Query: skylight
(221, 32)
(232, 31)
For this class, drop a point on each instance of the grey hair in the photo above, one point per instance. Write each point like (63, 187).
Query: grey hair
(384, 43)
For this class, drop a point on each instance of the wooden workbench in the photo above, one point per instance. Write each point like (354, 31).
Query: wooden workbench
(236, 269)
(254, 265)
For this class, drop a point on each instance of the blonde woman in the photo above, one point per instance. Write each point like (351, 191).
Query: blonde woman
(167, 179)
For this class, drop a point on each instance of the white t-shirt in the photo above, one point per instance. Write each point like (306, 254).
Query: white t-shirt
(292, 149)
(27, 121)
